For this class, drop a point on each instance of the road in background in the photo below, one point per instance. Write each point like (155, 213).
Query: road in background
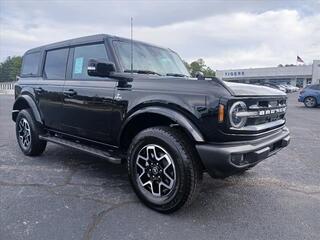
(66, 194)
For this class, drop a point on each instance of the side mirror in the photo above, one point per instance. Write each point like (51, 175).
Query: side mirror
(100, 68)
(200, 75)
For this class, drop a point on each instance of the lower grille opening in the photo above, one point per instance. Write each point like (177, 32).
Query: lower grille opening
(253, 157)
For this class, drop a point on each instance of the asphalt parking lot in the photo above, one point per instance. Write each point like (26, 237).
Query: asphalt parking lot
(65, 194)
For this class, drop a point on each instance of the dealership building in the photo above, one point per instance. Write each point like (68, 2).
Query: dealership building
(298, 75)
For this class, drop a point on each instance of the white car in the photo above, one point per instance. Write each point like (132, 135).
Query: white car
(296, 89)
(281, 88)
(289, 88)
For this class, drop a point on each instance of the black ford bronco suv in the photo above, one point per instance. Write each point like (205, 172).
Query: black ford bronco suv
(128, 101)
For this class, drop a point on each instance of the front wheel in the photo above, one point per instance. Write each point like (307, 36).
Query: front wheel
(27, 133)
(163, 169)
(310, 102)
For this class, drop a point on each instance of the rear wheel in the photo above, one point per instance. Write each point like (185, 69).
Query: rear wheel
(310, 102)
(27, 133)
(163, 169)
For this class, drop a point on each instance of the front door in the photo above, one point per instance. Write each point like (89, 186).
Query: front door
(87, 100)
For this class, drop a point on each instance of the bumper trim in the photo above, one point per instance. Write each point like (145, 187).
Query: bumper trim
(222, 160)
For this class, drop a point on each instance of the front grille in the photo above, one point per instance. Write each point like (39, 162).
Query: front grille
(273, 110)
(262, 114)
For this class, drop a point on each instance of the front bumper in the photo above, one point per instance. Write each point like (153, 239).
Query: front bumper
(300, 98)
(225, 159)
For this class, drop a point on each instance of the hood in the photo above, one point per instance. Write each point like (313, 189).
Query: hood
(242, 89)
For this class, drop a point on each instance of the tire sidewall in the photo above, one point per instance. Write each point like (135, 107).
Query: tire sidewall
(26, 115)
(167, 143)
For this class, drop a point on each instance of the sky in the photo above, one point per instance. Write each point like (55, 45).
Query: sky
(226, 34)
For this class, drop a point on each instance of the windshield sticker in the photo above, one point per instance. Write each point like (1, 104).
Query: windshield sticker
(78, 65)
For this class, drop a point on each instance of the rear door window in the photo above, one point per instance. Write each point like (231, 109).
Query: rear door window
(30, 64)
(82, 54)
(56, 64)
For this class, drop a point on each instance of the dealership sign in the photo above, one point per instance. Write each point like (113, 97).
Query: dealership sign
(234, 73)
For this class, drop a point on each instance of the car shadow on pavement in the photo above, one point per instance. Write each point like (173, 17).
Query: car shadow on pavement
(68, 172)
(97, 179)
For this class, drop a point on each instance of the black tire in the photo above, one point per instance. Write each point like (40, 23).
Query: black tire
(168, 145)
(29, 145)
(310, 102)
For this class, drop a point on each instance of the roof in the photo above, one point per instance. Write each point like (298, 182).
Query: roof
(74, 41)
(82, 40)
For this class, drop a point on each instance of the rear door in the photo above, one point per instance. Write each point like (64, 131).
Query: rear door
(87, 100)
(48, 90)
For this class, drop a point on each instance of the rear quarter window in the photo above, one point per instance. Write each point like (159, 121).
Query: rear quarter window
(30, 64)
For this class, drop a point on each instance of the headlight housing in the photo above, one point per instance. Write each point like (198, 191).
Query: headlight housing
(236, 119)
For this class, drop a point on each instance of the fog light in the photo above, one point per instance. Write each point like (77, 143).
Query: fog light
(238, 159)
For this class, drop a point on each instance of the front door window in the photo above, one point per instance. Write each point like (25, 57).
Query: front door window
(82, 54)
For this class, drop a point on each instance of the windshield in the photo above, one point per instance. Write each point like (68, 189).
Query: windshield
(148, 59)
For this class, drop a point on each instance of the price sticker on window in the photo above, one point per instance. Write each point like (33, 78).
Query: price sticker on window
(78, 65)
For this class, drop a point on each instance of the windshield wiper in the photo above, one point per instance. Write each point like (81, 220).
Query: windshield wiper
(176, 75)
(142, 72)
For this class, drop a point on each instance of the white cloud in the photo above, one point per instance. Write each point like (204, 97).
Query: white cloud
(229, 40)
(242, 39)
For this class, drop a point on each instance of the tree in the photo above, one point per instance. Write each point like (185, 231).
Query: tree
(10, 68)
(199, 66)
(187, 65)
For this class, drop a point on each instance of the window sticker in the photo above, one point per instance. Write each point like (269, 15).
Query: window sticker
(78, 65)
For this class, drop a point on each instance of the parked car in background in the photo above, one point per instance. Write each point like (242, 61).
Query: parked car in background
(310, 96)
(293, 88)
(296, 88)
(289, 88)
(281, 88)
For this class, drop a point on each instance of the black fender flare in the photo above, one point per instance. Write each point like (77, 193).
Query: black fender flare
(20, 101)
(175, 116)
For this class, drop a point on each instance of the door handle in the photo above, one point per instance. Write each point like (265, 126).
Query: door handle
(69, 92)
(39, 90)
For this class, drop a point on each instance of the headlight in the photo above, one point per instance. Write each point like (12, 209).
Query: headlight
(236, 120)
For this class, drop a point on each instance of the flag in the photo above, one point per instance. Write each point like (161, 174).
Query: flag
(299, 59)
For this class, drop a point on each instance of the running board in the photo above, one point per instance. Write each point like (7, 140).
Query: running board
(109, 156)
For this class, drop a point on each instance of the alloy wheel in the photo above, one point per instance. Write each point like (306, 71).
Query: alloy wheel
(24, 133)
(310, 102)
(155, 170)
